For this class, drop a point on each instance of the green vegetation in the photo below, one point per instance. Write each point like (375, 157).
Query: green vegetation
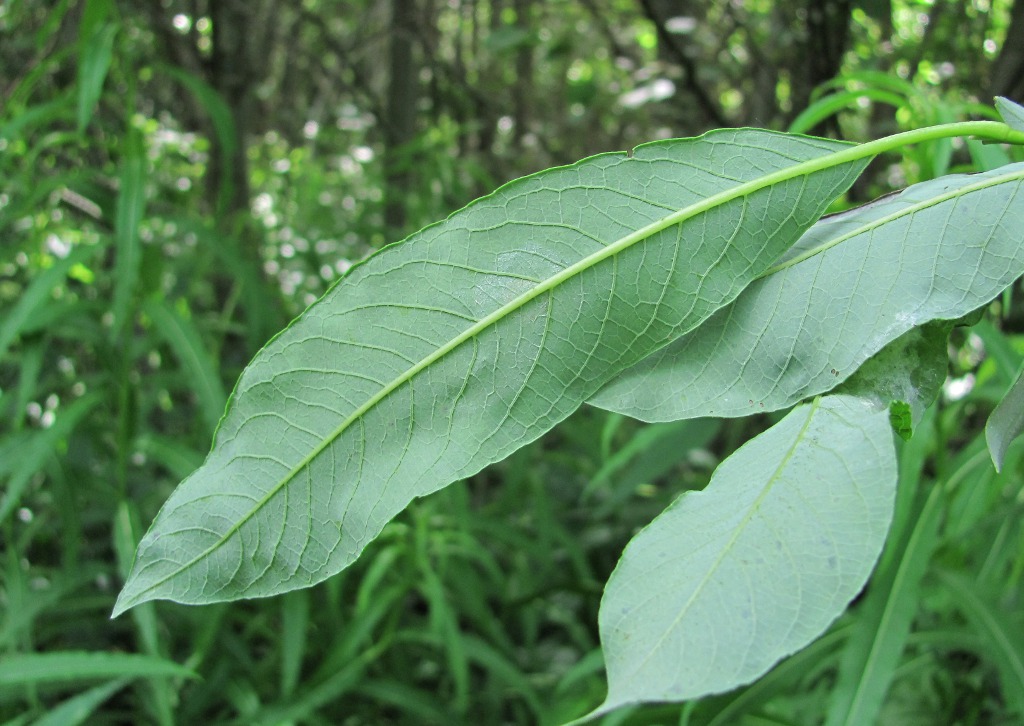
(173, 192)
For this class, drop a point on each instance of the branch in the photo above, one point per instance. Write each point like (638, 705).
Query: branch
(671, 44)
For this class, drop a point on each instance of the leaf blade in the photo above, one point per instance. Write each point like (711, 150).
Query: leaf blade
(808, 326)
(187, 345)
(1012, 113)
(468, 340)
(19, 669)
(130, 208)
(665, 616)
(1006, 422)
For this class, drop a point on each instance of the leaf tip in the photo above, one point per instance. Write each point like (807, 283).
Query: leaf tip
(1012, 113)
(603, 710)
(996, 448)
(130, 596)
(122, 605)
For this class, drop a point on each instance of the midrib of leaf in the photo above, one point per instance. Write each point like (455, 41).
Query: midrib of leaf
(740, 528)
(904, 212)
(992, 130)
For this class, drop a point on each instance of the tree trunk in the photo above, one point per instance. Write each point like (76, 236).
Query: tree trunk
(230, 74)
(1008, 70)
(400, 124)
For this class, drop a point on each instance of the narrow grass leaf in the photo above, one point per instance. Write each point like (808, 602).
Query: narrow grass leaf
(650, 453)
(1006, 422)
(500, 668)
(221, 118)
(151, 637)
(26, 608)
(30, 368)
(444, 623)
(445, 353)
(39, 446)
(37, 115)
(38, 293)
(171, 453)
(854, 282)
(95, 55)
(20, 669)
(294, 637)
(78, 709)
(126, 538)
(868, 664)
(131, 204)
(833, 103)
(193, 355)
(421, 706)
(999, 348)
(1000, 629)
(729, 580)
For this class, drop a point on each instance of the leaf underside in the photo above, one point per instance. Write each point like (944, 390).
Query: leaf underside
(1012, 113)
(1006, 422)
(445, 353)
(936, 251)
(729, 580)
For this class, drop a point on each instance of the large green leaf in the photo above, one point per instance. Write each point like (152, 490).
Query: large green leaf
(1012, 113)
(854, 282)
(449, 351)
(727, 581)
(1006, 422)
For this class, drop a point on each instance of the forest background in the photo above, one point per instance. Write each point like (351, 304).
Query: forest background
(178, 179)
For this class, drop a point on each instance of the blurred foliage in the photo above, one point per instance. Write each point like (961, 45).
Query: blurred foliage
(178, 179)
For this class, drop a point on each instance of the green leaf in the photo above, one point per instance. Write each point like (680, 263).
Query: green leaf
(131, 205)
(854, 282)
(37, 115)
(649, 454)
(294, 639)
(34, 449)
(1006, 422)
(833, 103)
(192, 354)
(906, 375)
(78, 709)
(71, 666)
(38, 293)
(1011, 113)
(727, 581)
(95, 55)
(222, 120)
(1000, 628)
(447, 352)
(879, 633)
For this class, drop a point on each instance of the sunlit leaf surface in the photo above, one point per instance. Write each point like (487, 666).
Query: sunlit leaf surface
(1006, 422)
(729, 580)
(449, 351)
(936, 251)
